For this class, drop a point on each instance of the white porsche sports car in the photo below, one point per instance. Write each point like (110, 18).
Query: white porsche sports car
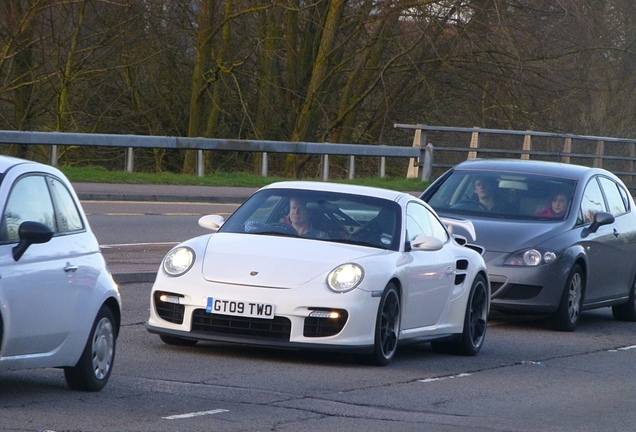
(325, 266)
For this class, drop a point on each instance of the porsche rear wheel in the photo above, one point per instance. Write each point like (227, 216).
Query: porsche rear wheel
(470, 341)
(387, 326)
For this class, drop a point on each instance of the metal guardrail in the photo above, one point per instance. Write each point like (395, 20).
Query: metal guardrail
(617, 155)
(614, 154)
(129, 142)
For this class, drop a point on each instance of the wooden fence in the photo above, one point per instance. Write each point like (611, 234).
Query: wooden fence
(452, 145)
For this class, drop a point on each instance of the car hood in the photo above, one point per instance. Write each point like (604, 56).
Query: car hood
(273, 261)
(497, 235)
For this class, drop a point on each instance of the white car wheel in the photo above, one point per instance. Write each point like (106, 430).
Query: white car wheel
(470, 341)
(387, 327)
(93, 369)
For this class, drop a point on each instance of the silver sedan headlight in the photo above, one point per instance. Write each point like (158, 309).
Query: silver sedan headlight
(178, 261)
(530, 257)
(345, 277)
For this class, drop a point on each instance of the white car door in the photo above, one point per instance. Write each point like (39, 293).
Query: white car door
(430, 274)
(40, 289)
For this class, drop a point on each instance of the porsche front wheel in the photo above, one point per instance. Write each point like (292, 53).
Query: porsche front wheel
(387, 326)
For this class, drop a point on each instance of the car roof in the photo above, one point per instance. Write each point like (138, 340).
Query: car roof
(339, 187)
(7, 162)
(527, 167)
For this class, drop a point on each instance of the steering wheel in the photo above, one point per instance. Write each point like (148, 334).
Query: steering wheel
(282, 228)
(469, 205)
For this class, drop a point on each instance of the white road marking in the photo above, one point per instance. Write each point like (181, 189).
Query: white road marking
(156, 214)
(193, 203)
(139, 244)
(195, 414)
(428, 380)
(623, 348)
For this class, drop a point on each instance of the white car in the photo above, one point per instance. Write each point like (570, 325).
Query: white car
(317, 265)
(59, 305)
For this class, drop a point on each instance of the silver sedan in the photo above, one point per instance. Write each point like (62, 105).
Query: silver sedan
(559, 238)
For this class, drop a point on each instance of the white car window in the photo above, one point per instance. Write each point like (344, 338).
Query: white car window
(68, 217)
(437, 228)
(420, 221)
(29, 200)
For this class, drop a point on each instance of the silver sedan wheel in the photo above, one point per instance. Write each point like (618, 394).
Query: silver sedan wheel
(567, 315)
(574, 297)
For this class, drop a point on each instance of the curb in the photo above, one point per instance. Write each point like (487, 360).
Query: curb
(134, 277)
(87, 196)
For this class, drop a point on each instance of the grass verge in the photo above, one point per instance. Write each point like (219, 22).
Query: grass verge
(100, 175)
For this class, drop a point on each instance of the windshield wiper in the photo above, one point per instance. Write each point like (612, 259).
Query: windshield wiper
(357, 243)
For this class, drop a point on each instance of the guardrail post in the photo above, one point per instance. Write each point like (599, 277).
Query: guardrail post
(325, 167)
(527, 146)
(600, 150)
(426, 166)
(414, 164)
(474, 144)
(53, 155)
(130, 159)
(351, 172)
(382, 166)
(567, 150)
(264, 164)
(200, 164)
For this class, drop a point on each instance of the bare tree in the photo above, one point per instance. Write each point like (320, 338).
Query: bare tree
(322, 70)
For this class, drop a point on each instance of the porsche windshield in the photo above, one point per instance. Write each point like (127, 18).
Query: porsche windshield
(504, 195)
(326, 216)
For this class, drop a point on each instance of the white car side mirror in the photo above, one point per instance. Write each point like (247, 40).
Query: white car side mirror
(211, 222)
(426, 243)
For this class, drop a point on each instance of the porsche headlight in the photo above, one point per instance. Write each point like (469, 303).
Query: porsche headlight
(530, 257)
(178, 261)
(345, 277)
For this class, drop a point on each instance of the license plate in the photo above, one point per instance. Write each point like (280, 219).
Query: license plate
(240, 308)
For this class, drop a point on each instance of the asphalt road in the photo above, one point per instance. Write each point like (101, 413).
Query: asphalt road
(526, 378)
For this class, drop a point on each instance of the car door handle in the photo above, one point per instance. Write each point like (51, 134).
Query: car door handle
(70, 268)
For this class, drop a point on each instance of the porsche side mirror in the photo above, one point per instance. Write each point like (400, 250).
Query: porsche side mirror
(211, 222)
(31, 232)
(426, 243)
